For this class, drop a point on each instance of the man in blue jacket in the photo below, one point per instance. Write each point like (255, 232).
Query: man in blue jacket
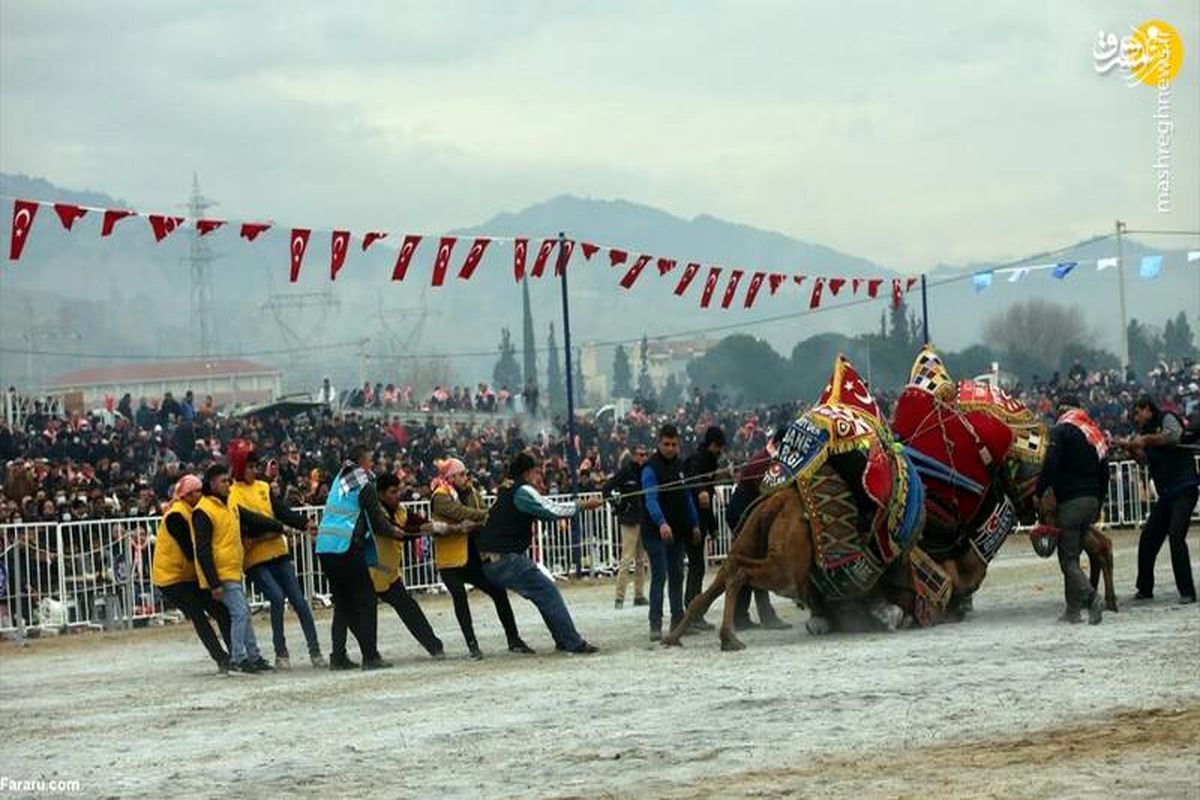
(669, 520)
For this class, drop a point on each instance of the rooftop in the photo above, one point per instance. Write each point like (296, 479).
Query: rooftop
(161, 371)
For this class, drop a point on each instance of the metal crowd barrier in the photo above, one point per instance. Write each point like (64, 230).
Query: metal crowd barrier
(96, 573)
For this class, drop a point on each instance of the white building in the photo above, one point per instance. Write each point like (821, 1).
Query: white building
(230, 381)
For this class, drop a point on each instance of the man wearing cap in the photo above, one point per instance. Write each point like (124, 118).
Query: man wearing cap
(701, 471)
(174, 571)
(1076, 469)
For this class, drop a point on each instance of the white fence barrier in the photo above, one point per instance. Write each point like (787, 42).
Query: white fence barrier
(96, 573)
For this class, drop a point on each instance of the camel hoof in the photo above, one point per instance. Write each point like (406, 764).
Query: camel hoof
(889, 616)
(1111, 604)
(671, 641)
(966, 605)
(732, 644)
(818, 626)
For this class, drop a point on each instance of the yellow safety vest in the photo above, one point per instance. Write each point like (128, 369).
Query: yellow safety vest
(451, 550)
(226, 540)
(171, 565)
(256, 497)
(391, 555)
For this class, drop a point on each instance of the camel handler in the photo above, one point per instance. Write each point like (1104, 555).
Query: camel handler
(388, 575)
(268, 562)
(174, 571)
(1076, 469)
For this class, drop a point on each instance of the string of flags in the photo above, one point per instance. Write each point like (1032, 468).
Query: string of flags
(819, 287)
(1149, 268)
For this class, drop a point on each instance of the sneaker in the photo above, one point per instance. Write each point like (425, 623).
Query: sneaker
(223, 667)
(776, 624)
(262, 665)
(370, 664)
(1095, 609)
(238, 668)
(618, 604)
(520, 647)
(1070, 616)
(1187, 599)
(318, 661)
(1142, 597)
(655, 635)
(641, 601)
(584, 649)
(438, 655)
(339, 663)
(475, 653)
(283, 663)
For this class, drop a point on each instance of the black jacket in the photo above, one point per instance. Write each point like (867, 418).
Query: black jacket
(1073, 468)
(627, 481)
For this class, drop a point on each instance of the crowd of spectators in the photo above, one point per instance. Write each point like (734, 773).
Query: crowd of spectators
(123, 463)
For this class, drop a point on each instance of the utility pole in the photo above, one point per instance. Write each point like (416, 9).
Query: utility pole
(1121, 294)
(924, 310)
(572, 455)
(200, 259)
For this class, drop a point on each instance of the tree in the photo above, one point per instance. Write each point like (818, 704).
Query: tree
(507, 372)
(1145, 347)
(577, 369)
(900, 332)
(556, 390)
(622, 374)
(645, 386)
(529, 346)
(1178, 341)
(745, 367)
(672, 393)
(1036, 329)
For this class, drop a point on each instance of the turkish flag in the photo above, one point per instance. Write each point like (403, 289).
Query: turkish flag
(520, 247)
(685, 280)
(775, 280)
(735, 278)
(564, 257)
(799, 279)
(897, 295)
(371, 238)
(251, 230)
(298, 246)
(589, 250)
(854, 284)
(636, 270)
(207, 226)
(835, 285)
(539, 263)
(616, 256)
(111, 217)
(665, 265)
(23, 213)
(339, 242)
(873, 285)
(846, 388)
(405, 256)
(68, 213)
(442, 261)
(163, 226)
(710, 285)
(814, 300)
(752, 290)
(473, 258)
(911, 283)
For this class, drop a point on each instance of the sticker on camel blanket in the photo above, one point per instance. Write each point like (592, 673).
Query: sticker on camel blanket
(995, 529)
(800, 448)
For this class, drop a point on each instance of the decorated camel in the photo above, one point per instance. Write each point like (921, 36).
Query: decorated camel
(979, 452)
(842, 506)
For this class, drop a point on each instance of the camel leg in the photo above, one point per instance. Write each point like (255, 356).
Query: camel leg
(1100, 560)
(729, 640)
(820, 621)
(699, 605)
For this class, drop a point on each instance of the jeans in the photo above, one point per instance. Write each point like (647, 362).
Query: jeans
(1169, 518)
(198, 605)
(354, 603)
(666, 566)
(1075, 516)
(278, 582)
(244, 647)
(456, 580)
(517, 571)
(633, 553)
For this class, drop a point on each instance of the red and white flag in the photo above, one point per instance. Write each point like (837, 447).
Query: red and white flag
(685, 280)
(911, 283)
(775, 280)
(756, 283)
(589, 250)
(710, 286)
(111, 217)
(251, 230)
(835, 285)
(23, 213)
(814, 299)
(665, 265)
(617, 257)
(635, 271)
(854, 284)
(873, 285)
(206, 226)
(520, 247)
(735, 277)
(371, 238)
(897, 295)
(69, 213)
(564, 257)
(298, 246)
(799, 279)
(339, 243)
(442, 261)
(539, 263)
(163, 226)
(404, 257)
(473, 258)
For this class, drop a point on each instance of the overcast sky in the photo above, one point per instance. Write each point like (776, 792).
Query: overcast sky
(911, 134)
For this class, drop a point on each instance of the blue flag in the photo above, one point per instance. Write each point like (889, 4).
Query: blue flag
(1063, 269)
(1151, 267)
(981, 281)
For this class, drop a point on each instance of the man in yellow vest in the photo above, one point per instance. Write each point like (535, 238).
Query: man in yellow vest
(174, 571)
(268, 563)
(217, 530)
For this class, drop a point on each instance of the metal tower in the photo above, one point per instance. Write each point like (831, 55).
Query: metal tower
(200, 260)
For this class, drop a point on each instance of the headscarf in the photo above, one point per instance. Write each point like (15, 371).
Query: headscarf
(447, 469)
(186, 485)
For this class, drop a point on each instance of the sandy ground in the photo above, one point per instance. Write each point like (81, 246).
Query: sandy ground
(1008, 704)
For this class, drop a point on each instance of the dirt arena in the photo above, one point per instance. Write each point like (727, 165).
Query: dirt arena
(1009, 704)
